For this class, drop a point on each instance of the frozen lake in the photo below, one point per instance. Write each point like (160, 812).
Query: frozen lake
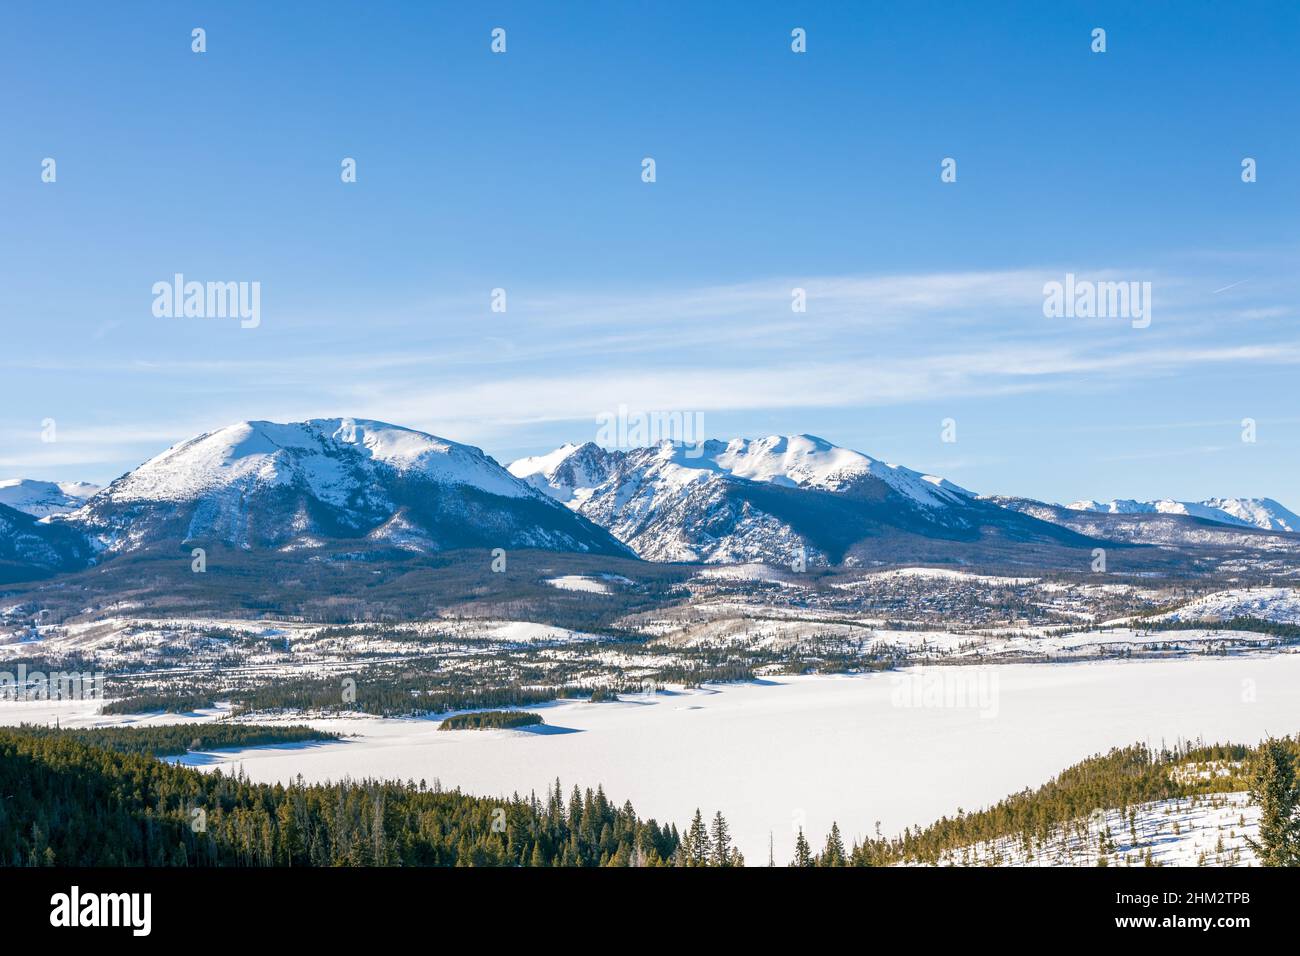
(902, 748)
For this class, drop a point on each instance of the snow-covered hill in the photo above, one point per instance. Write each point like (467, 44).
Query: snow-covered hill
(1211, 829)
(769, 499)
(256, 484)
(1280, 605)
(1250, 512)
(42, 498)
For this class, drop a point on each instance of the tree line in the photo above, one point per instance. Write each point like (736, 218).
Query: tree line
(65, 802)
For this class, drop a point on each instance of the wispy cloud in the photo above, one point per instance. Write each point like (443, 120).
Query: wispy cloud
(563, 356)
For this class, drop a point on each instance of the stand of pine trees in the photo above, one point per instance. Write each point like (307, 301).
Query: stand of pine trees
(64, 802)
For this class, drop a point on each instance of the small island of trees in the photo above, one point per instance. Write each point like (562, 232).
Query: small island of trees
(489, 719)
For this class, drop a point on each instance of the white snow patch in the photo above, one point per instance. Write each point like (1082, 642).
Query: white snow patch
(578, 582)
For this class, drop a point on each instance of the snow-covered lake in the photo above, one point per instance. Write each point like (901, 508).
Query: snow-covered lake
(901, 748)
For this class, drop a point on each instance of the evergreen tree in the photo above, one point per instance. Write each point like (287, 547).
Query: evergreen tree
(833, 854)
(1273, 788)
(720, 842)
(696, 844)
(802, 852)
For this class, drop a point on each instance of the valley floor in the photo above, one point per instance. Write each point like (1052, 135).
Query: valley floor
(892, 749)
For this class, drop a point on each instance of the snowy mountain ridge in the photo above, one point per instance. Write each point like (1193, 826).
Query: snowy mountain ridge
(781, 499)
(42, 498)
(267, 484)
(1250, 512)
(795, 461)
(777, 499)
(250, 454)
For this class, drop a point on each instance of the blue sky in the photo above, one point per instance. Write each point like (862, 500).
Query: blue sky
(775, 170)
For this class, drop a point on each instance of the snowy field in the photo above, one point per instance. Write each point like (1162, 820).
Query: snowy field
(902, 748)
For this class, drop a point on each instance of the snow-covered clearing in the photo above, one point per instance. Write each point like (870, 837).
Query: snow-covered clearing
(578, 582)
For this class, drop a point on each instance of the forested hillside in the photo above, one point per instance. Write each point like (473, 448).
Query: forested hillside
(1121, 779)
(65, 802)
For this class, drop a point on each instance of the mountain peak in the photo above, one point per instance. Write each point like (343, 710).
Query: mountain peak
(43, 498)
(256, 484)
(316, 454)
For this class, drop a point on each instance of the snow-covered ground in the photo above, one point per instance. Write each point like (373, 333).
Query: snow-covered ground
(903, 748)
(1281, 605)
(579, 582)
(1204, 830)
(85, 713)
(753, 571)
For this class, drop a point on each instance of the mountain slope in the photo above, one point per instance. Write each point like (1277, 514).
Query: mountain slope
(1169, 530)
(31, 549)
(265, 484)
(1262, 513)
(766, 499)
(42, 498)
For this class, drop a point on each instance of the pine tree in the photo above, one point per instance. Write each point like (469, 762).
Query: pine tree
(696, 843)
(1273, 787)
(720, 842)
(833, 854)
(802, 852)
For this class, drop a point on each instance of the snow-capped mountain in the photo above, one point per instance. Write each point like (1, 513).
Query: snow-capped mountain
(1151, 527)
(1250, 512)
(265, 484)
(767, 499)
(780, 499)
(42, 498)
(570, 473)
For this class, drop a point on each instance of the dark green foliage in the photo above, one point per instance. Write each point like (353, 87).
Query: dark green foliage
(1273, 788)
(486, 719)
(398, 694)
(170, 739)
(802, 852)
(168, 703)
(833, 854)
(65, 803)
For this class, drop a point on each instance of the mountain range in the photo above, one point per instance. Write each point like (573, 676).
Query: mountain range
(777, 499)
(382, 488)
(1249, 512)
